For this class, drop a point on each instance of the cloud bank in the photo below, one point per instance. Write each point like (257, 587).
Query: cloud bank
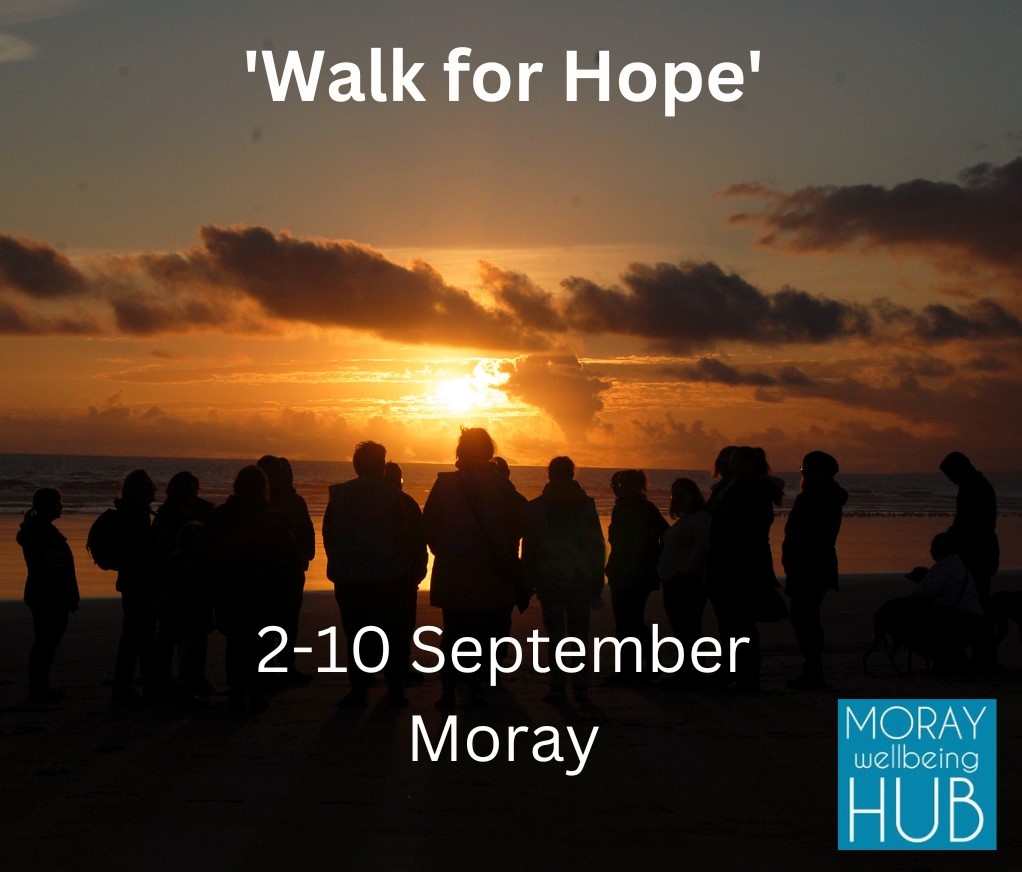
(962, 227)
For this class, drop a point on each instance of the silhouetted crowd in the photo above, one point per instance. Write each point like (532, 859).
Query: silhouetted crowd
(192, 567)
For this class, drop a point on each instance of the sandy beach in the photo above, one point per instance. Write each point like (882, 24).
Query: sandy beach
(699, 779)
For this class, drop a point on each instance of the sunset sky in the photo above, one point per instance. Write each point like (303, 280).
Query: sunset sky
(833, 261)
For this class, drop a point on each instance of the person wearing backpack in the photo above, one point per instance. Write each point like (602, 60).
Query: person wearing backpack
(51, 588)
(136, 583)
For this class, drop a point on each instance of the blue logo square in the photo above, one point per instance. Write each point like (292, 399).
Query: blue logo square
(917, 774)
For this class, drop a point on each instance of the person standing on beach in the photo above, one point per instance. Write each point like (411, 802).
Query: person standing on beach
(286, 501)
(185, 608)
(740, 569)
(636, 531)
(682, 568)
(721, 472)
(252, 552)
(973, 531)
(367, 535)
(418, 557)
(563, 553)
(51, 588)
(809, 558)
(137, 585)
(473, 519)
(501, 465)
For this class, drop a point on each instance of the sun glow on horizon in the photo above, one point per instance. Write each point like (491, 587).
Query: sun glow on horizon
(480, 390)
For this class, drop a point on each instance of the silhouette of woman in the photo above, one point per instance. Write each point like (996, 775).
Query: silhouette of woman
(51, 588)
(809, 559)
(682, 566)
(974, 529)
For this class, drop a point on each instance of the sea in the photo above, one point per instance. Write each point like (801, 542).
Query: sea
(889, 518)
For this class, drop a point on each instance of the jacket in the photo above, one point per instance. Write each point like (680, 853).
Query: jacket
(52, 582)
(563, 551)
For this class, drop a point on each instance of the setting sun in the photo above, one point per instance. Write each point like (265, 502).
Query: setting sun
(458, 395)
(478, 391)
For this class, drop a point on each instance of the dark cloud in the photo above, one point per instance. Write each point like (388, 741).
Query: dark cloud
(15, 321)
(987, 363)
(248, 280)
(558, 384)
(974, 223)
(142, 315)
(341, 284)
(698, 305)
(689, 306)
(924, 366)
(532, 306)
(37, 269)
(709, 369)
(792, 376)
(981, 319)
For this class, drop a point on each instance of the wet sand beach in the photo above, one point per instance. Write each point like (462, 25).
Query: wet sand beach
(700, 780)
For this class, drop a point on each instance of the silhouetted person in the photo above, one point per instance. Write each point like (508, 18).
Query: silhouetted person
(740, 570)
(286, 501)
(252, 553)
(809, 558)
(721, 472)
(51, 588)
(138, 585)
(682, 566)
(182, 506)
(762, 467)
(473, 521)
(956, 618)
(418, 558)
(563, 554)
(522, 602)
(366, 534)
(974, 529)
(188, 612)
(636, 528)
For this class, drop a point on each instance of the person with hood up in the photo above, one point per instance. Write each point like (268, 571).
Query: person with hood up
(563, 554)
(809, 558)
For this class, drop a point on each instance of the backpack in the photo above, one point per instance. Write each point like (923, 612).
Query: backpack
(106, 540)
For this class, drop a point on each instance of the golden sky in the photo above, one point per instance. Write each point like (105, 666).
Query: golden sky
(190, 268)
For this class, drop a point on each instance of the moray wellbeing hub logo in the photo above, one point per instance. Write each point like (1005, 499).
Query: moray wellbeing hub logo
(917, 774)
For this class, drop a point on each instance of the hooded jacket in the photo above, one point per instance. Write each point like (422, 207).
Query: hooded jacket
(563, 549)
